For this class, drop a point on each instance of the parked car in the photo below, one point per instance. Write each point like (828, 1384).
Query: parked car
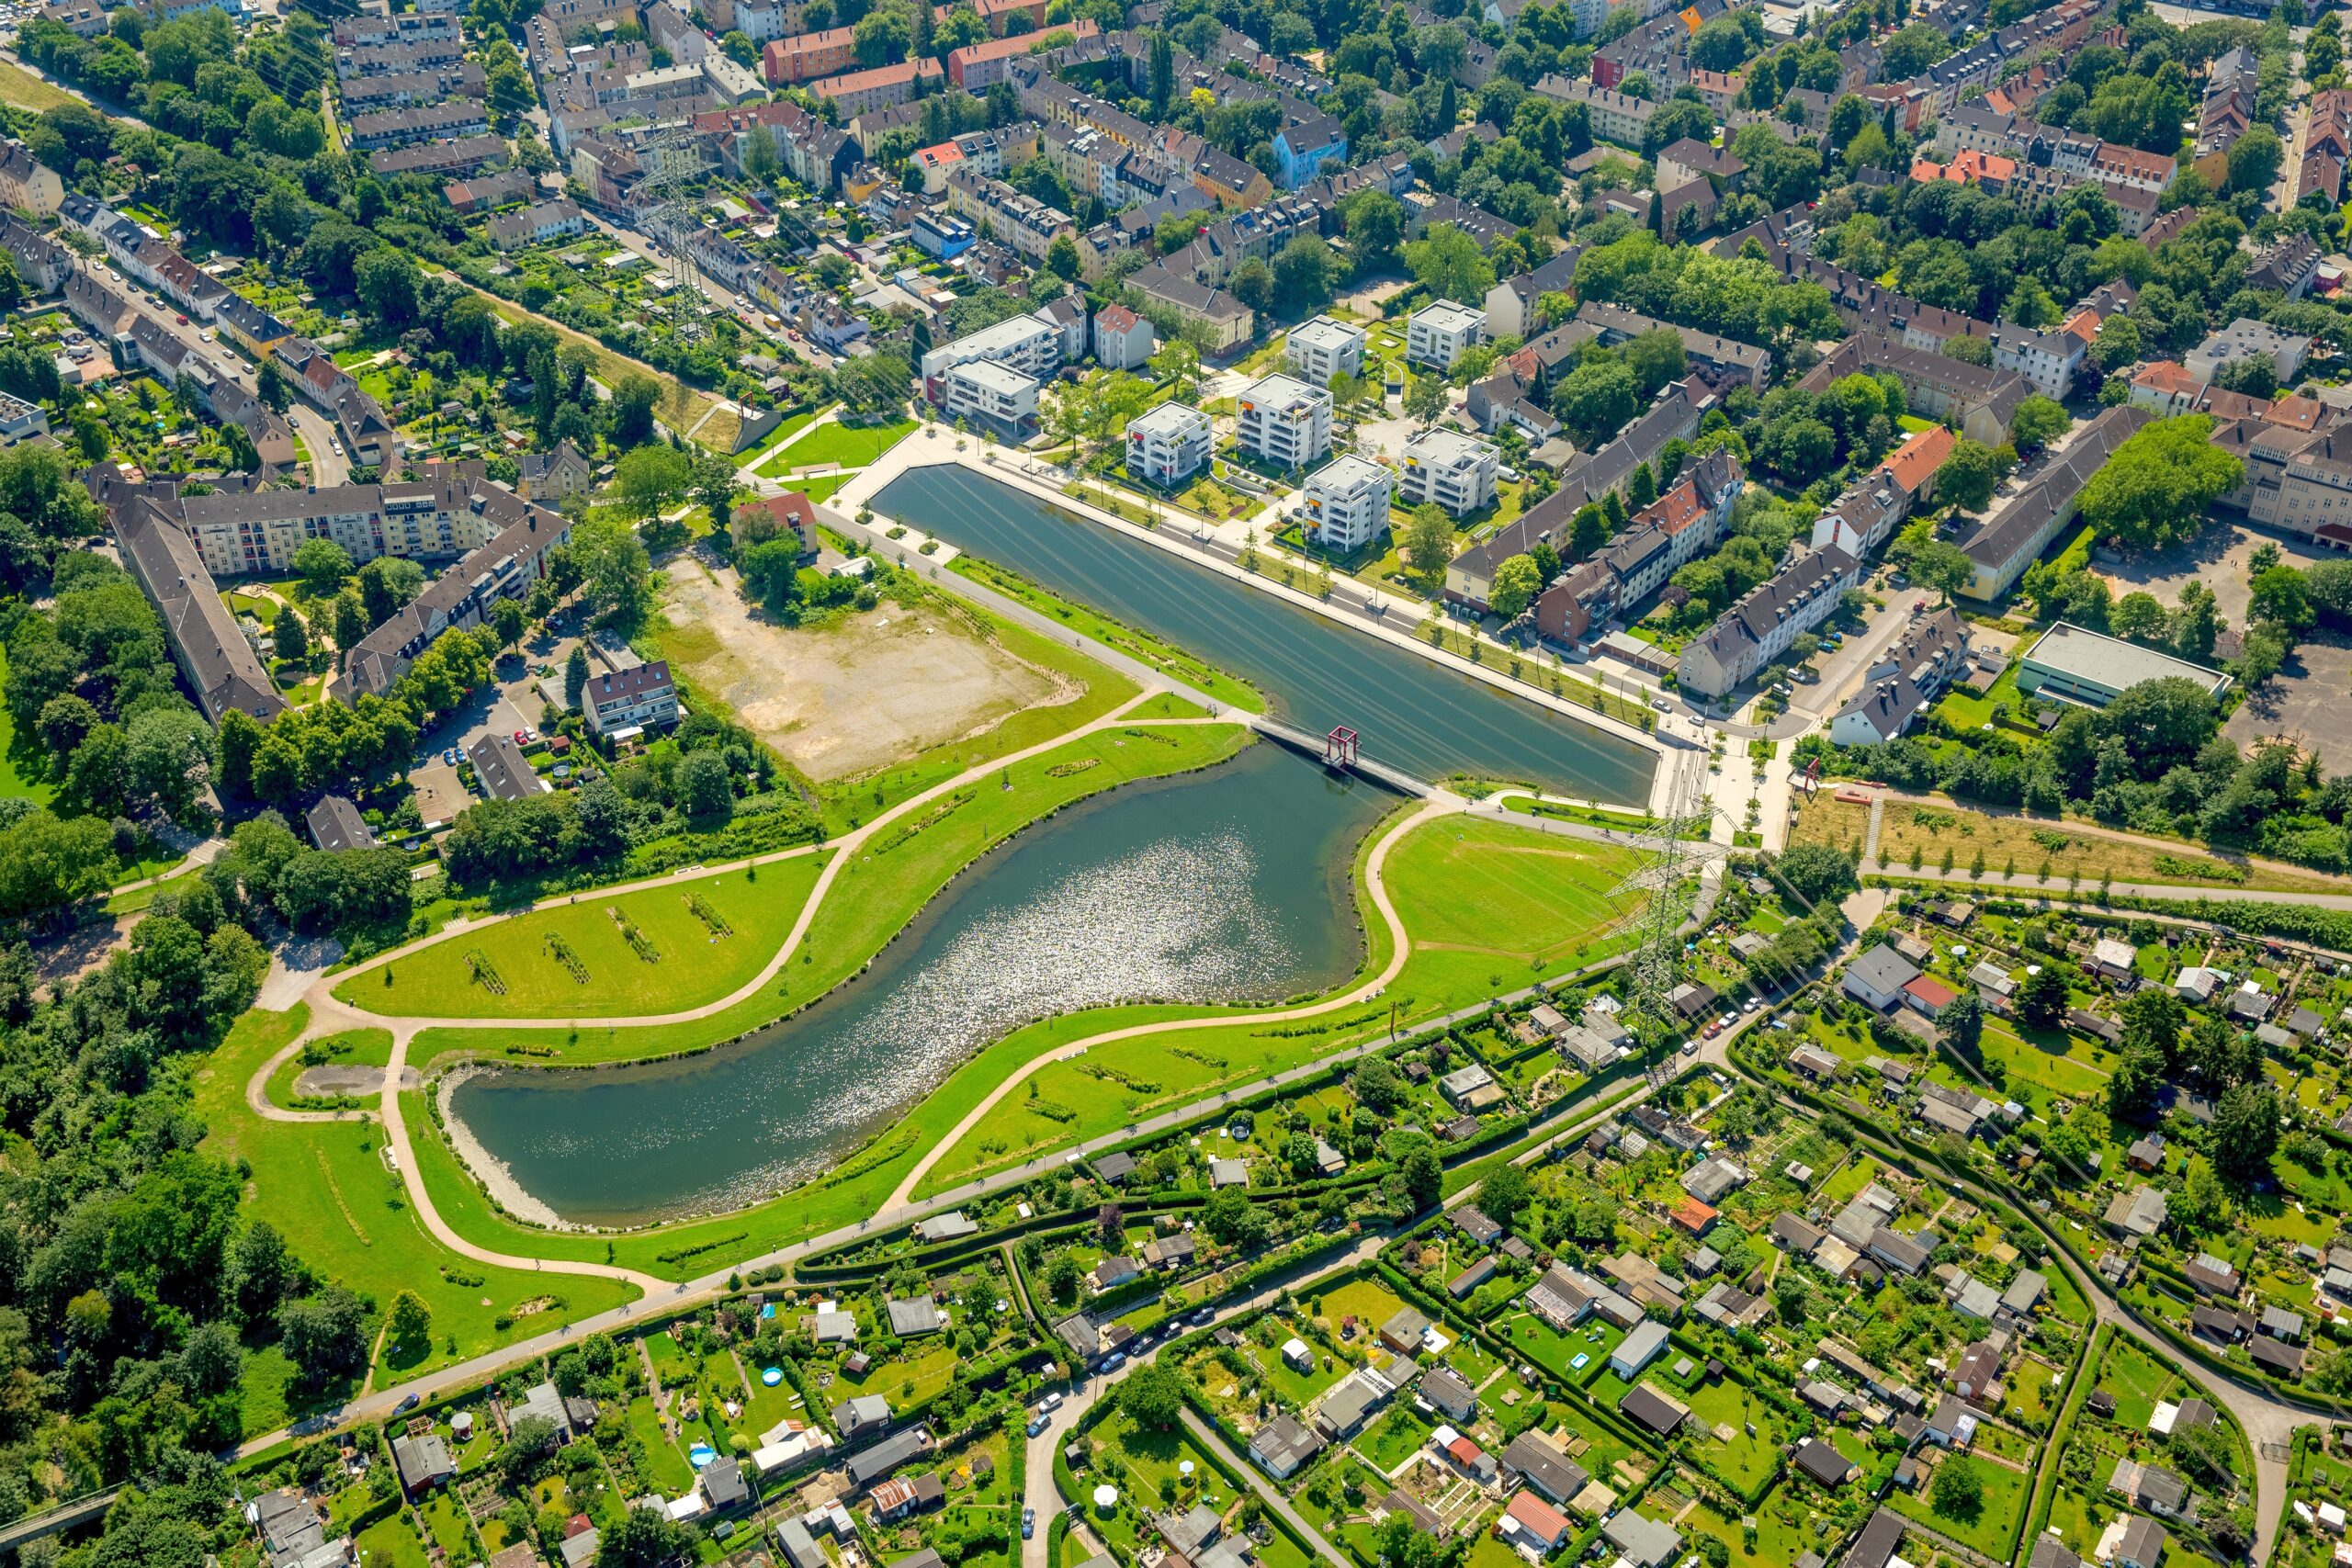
(450, 756)
(1661, 705)
(410, 1403)
(181, 320)
(1037, 1426)
(1028, 1523)
(1115, 1360)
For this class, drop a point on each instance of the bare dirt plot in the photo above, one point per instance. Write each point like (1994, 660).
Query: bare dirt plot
(861, 693)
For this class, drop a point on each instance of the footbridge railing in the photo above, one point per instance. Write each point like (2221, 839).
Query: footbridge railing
(1338, 750)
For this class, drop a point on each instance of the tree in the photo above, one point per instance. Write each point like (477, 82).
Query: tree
(2152, 1020)
(1425, 397)
(410, 1323)
(385, 584)
(387, 282)
(2255, 159)
(1061, 257)
(712, 484)
(1424, 1175)
(612, 567)
(2154, 489)
(1427, 543)
(631, 408)
(651, 478)
(2280, 595)
(291, 637)
(1969, 475)
(2245, 1133)
(1505, 1194)
(1595, 399)
(1177, 363)
(2037, 422)
(325, 1336)
(1815, 872)
(324, 565)
(2137, 617)
(1943, 566)
(1962, 1019)
(1517, 582)
(1958, 1491)
(1449, 264)
(508, 620)
(2042, 999)
(1376, 223)
(643, 1537)
(704, 788)
(1153, 1396)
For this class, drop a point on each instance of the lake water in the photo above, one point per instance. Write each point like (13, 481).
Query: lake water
(1413, 714)
(1225, 886)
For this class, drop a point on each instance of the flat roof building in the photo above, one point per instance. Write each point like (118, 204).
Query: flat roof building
(2091, 669)
(1449, 470)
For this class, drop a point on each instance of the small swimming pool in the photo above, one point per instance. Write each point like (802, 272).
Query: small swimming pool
(702, 1454)
(772, 1376)
(1579, 1364)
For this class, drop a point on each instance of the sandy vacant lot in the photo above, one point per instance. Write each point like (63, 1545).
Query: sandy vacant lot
(868, 690)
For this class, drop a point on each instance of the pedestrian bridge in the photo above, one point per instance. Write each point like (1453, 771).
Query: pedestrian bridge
(1348, 758)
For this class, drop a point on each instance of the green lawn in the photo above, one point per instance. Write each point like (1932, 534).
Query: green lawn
(850, 445)
(390, 1543)
(353, 1047)
(1992, 1528)
(514, 968)
(343, 1211)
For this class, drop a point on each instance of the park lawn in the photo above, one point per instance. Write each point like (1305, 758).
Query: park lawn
(1165, 657)
(1167, 705)
(326, 1188)
(850, 445)
(822, 486)
(1471, 886)
(390, 1542)
(453, 978)
(793, 425)
(1589, 816)
(1994, 1528)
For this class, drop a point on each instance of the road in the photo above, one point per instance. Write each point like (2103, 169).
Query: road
(329, 466)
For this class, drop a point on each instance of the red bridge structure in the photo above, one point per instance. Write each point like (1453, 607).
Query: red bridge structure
(1339, 747)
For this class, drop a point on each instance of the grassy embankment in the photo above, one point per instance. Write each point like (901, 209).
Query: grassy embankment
(1468, 947)
(2071, 852)
(1159, 654)
(524, 967)
(1487, 907)
(326, 1188)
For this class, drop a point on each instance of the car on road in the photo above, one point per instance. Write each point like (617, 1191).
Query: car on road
(1028, 1523)
(410, 1403)
(1918, 606)
(1661, 705)
(1690, 1047)
(1114, 1361)
(1037, 1426)
(1204, 1317)
(181, 320)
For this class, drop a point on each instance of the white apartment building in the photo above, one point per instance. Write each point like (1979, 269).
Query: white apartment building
(1452, 470)
(1438, 333)
(258, 531)
(2049, 360)
(1031, 344)
(1323, 348)
(992, 392)
(1284, 421)
(1168, 444)
(1347, 503)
